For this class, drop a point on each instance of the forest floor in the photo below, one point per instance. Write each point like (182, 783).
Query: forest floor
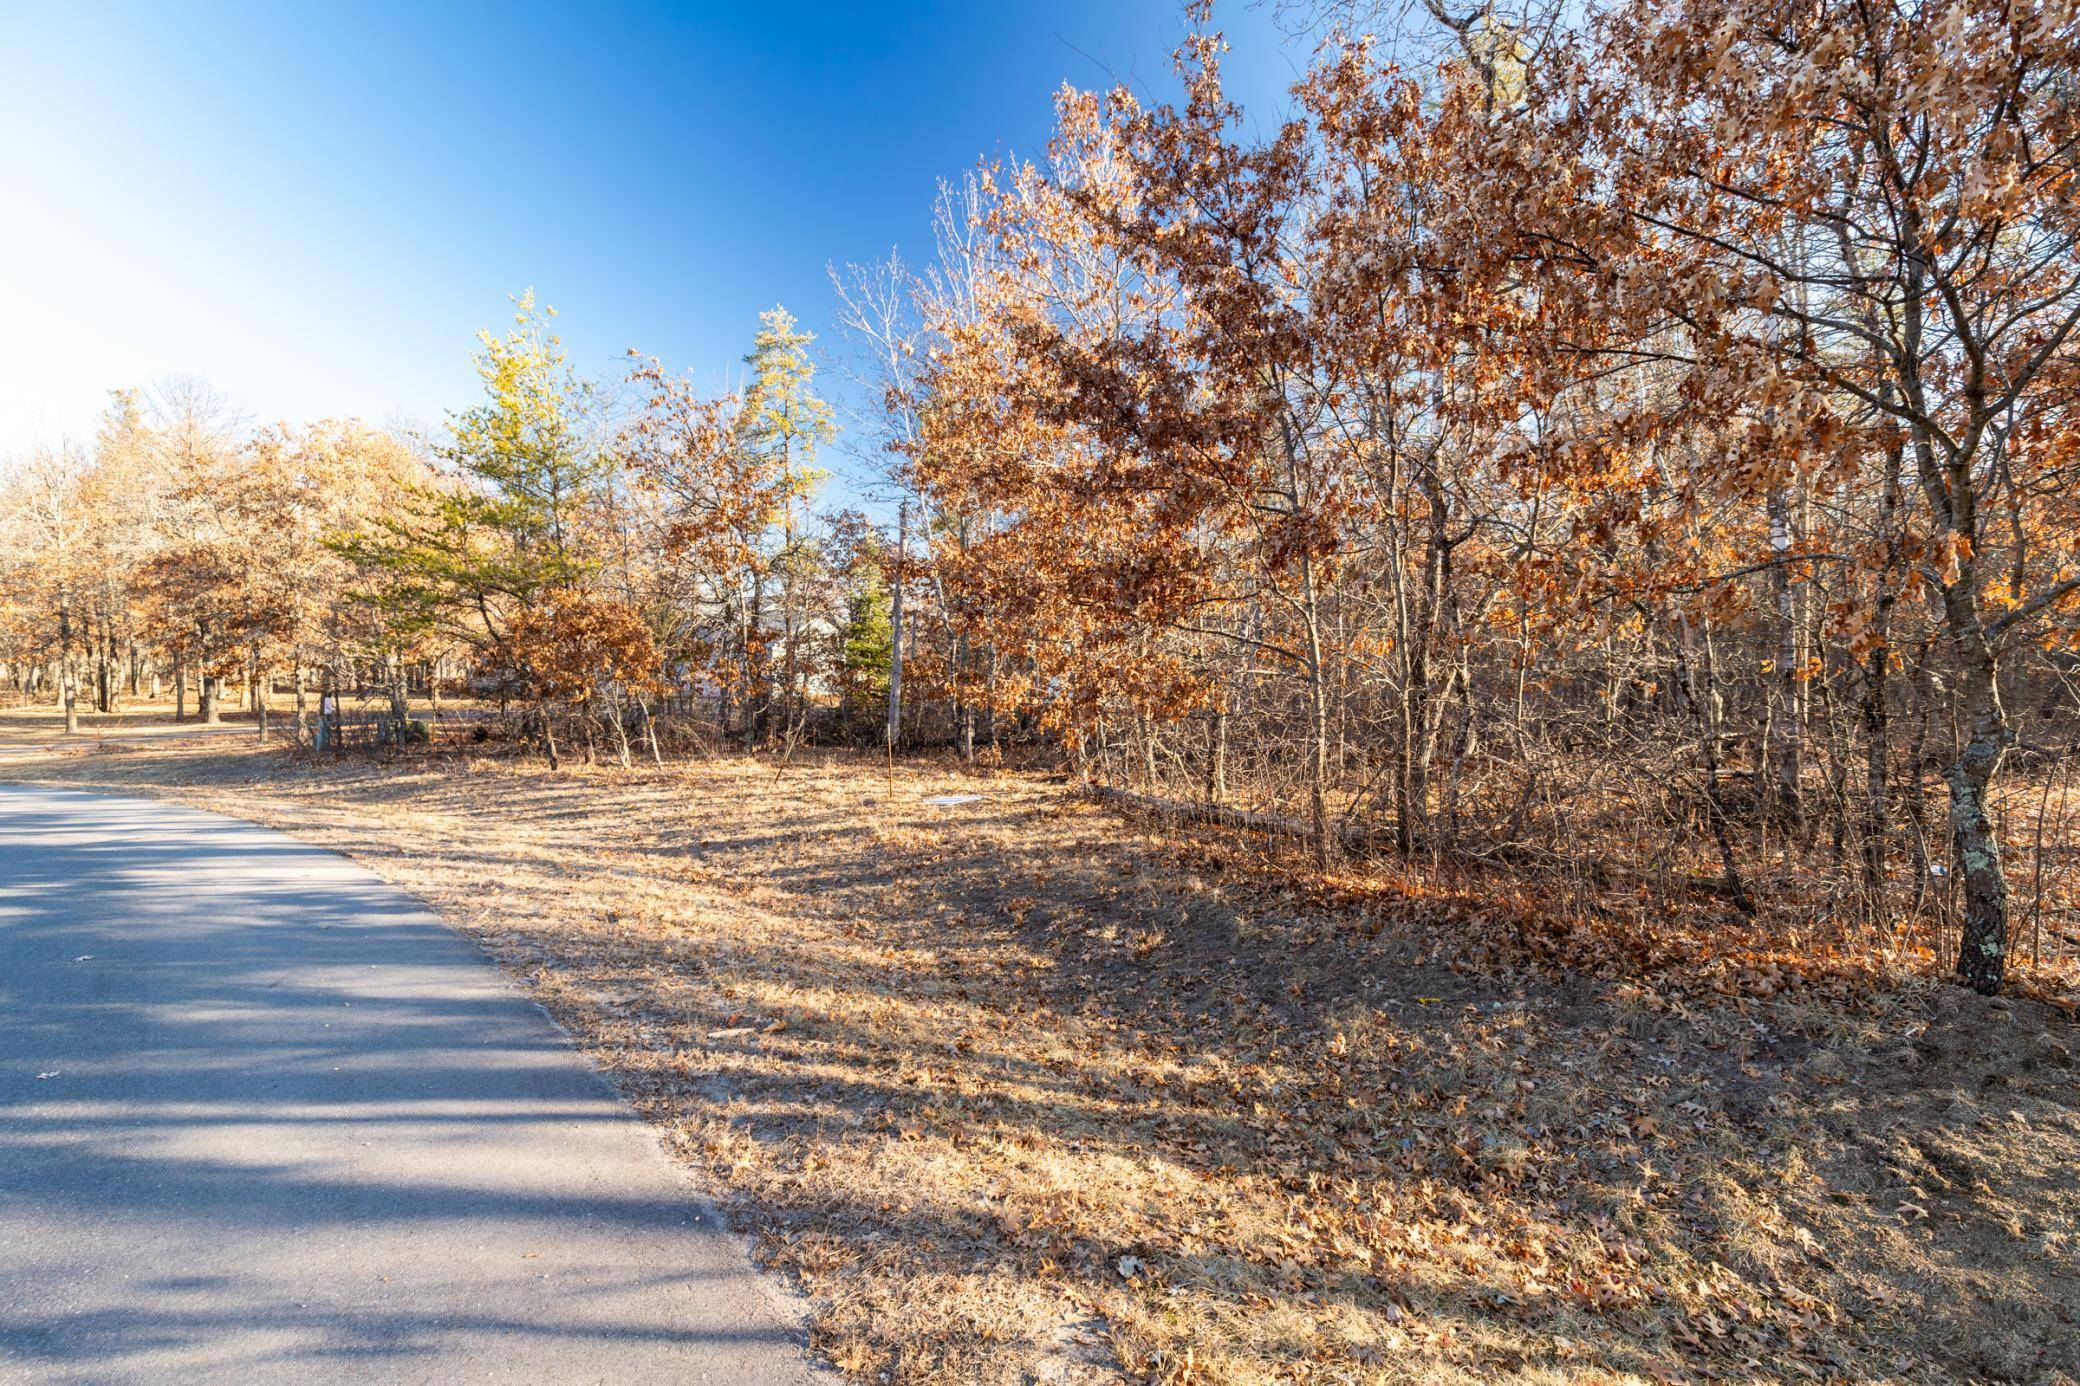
(1019, 1090)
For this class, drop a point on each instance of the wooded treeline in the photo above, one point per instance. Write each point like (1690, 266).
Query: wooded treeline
(1648, 441)
(182, 552)
(579, 558)
(1636, 448)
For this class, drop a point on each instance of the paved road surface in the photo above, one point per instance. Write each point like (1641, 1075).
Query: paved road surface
(263, 1118)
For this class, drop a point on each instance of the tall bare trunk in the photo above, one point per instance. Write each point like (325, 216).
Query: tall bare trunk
(758, 693)
(258, 692)
(1786, 736)
(621, 732)
(1982, 950)
(67, 685)
(650, 733)
(1877, 728)
(895, 628)
(1317, 718)
(102, 643)
(1700, 697)
(548, 736)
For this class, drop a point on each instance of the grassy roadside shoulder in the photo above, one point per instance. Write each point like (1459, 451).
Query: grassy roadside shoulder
(1019, 1092)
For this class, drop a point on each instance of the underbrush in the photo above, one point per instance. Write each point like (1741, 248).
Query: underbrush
(1612, 899)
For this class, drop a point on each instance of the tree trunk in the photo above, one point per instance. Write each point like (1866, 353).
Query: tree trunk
(1698, 700)
(400, 705)
(963, 714)
(1877, 791)
(989, 701)
(258, 692)
(1318, 725)
(1982, 951)
(1877, 728)
(759, 694)
(895, 629)
(548, 737)
(104, 677)
(1787, 721)
(650, 733)
(67, 693)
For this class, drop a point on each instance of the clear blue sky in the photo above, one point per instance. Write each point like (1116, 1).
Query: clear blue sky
(316, 206)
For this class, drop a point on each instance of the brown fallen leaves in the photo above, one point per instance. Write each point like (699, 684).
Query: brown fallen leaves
(1016, 1093)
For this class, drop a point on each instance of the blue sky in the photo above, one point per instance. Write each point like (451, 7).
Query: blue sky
(317, 206)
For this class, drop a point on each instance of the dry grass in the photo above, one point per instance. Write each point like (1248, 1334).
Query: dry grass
(1018, 1092)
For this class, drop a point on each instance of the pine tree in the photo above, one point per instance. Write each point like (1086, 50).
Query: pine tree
(467, 557)
(786, 423)
(868, 640)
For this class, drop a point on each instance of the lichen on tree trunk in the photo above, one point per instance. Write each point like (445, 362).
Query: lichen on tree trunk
(1982, 950)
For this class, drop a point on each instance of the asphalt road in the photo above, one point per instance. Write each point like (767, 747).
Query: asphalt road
(264, 1118)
